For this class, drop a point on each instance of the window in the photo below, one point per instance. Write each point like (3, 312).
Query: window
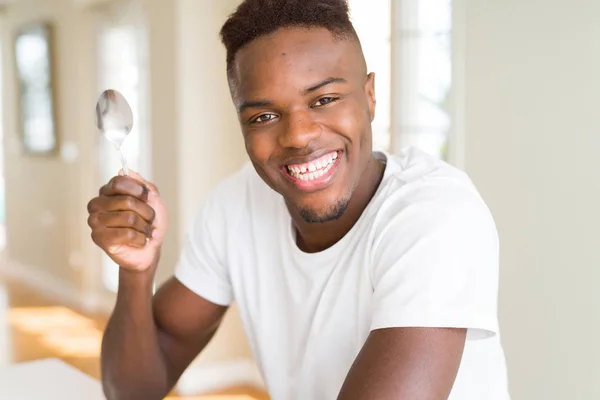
(422, 60)
(122, 66)
(373, 26)
(408, 44)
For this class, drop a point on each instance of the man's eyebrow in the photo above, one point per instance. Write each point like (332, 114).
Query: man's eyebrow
(319, 85)
(254, 104)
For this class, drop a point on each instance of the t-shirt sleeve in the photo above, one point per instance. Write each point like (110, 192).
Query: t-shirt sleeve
(202, 265)
(436, 264)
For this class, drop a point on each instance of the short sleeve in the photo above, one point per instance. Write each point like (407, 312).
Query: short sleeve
(202, 266)
(436, 262)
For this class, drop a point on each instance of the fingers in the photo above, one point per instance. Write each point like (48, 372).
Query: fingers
(121, 216)
(104, 204)
(120, 219)
(114, 239)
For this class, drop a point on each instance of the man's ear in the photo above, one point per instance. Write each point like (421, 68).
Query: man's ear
(370, 91)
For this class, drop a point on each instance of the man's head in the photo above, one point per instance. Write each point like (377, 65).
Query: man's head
(299, 82)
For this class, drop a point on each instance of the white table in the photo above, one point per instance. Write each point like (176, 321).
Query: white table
(48, 379)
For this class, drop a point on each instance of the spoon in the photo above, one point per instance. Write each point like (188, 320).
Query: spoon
(114, 120)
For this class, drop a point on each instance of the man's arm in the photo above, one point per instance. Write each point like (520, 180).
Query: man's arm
(149, 342)
(405, 363)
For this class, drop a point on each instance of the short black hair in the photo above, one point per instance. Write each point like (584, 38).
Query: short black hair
(255, 18)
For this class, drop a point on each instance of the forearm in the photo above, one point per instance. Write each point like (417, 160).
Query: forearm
(133, 365)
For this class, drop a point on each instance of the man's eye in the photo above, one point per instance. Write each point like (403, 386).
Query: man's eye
(325, 100)
(263, 118)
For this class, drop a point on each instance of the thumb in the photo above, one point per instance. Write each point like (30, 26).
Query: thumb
(134, 175)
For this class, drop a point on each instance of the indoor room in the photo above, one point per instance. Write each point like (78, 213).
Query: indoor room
(500, 94)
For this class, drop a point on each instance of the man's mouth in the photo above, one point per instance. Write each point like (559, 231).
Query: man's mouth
(313, 169)
(314, 174)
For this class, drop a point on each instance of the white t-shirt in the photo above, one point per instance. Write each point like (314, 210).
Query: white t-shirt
(424, 253)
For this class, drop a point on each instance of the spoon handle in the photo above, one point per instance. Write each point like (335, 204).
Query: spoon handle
(124, 163)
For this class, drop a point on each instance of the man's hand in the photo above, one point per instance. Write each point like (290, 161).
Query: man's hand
(129, 222)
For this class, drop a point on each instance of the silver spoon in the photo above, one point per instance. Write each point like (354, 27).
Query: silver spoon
(114, 120)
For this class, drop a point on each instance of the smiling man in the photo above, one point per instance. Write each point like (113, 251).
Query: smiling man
(358, 274)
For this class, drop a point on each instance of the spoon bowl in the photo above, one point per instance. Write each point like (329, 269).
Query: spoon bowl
(114, 120)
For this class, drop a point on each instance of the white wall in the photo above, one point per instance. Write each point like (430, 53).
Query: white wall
(211, 146)
(42, 192)
(532, 143)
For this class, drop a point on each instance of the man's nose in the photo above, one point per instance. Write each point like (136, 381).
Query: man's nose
(299, 131)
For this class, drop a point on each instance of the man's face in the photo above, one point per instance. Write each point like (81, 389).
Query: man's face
(305, 105)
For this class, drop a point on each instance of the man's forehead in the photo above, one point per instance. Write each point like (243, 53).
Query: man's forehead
(293, 54)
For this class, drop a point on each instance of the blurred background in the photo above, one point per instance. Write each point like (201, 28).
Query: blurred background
(508, 90)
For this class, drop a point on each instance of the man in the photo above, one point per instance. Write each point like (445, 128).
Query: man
(358, 275)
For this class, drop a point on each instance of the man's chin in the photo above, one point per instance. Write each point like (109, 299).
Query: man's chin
(331, 213)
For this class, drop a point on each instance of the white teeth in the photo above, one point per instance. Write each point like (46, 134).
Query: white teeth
(313, 170)
(312, 175)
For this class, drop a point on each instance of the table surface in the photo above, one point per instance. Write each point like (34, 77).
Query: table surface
(48, 379)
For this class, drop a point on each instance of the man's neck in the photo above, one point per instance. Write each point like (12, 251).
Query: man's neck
(315, 237)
